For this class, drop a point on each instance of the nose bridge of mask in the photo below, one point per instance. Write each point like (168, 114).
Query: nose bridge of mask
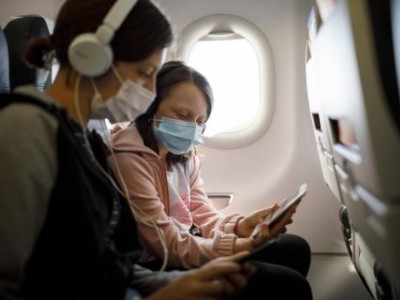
(182, 129)
(126, 93)
(178, 136)
(130, 101)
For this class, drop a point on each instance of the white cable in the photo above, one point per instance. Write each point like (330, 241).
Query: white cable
(135, 206)
(125, 192)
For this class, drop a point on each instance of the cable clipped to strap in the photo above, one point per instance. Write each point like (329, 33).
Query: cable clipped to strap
(124, 192)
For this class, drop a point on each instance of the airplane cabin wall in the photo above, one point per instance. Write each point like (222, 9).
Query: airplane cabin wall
(12, 8)
(273, 167)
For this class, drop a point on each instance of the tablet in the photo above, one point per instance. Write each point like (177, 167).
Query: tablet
(272, 219)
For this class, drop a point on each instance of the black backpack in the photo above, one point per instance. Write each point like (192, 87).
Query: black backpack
(98, 262)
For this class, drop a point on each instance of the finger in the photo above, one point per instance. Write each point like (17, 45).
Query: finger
(210, 289)
(115, 129)
(248, 269)
(215, 270)
(280, 226)
(238, 256)
(262, 237)
(228, 285)
(237, 280)
(264, 231)
(268, 210)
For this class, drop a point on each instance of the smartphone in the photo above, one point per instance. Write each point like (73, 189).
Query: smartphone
(272, 219)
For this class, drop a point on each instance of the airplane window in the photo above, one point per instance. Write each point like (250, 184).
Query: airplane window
(236, 58)
(232, 68)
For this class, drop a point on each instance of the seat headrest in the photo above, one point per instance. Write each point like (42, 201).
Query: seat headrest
(396, 36)
(4, 64)
(18, 33)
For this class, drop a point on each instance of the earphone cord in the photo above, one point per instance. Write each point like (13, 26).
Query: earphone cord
(124, 193)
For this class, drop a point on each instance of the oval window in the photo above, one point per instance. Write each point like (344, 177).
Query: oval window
(236, 58)
(236, 86)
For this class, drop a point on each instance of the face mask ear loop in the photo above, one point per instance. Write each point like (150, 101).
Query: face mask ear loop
(95, 90)
(116, 73)
(124, 193)
(76, 102)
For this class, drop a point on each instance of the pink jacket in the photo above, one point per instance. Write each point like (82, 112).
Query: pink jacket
(145, 177)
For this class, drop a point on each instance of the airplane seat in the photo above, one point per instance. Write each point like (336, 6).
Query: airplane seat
(320, 125)
(395, 9)
(324, 147)
(359, 98)
(383, 23)
(19, 32)
(4, 64)
(317, 15)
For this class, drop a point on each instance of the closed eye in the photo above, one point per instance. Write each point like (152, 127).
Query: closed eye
(145, 75)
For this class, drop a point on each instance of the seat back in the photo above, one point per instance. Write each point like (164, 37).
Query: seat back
(321, 131)
(396, 36)
(18, 33)
(359, 98)
(4, 64)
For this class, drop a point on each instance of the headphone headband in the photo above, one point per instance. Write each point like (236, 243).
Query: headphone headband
(90, 54)
(116, 16)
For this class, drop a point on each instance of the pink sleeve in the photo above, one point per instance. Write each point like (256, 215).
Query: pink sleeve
(210, 220)
(147, 189)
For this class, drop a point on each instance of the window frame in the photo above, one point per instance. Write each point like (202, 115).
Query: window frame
(238, 25)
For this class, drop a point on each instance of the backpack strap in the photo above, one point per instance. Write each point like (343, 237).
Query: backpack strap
(6, 99)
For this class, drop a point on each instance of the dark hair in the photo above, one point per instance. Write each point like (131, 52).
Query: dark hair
(171, 74)
(144, 31)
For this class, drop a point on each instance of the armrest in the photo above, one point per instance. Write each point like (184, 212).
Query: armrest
(221, 200)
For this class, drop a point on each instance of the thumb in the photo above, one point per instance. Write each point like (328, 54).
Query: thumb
(262, 237)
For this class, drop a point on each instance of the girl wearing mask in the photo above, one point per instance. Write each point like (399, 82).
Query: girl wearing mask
(157, 160)
(63, 223)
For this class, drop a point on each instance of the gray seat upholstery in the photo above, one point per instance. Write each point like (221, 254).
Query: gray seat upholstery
(383, 23)
(4, 64)
(354, 101)
(396, 36)
(18, 33)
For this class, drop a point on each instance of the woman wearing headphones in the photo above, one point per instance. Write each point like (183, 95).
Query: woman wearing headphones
(62, 222)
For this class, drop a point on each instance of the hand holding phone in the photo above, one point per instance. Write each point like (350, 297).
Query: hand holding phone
(272, 219)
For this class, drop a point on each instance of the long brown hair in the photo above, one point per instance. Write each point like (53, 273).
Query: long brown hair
(144, 31)
(171, 74)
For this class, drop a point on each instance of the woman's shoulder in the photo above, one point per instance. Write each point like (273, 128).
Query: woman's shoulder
(27, 118)
(128, 140)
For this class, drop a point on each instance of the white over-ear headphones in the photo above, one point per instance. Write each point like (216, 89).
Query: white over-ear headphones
(90, 54)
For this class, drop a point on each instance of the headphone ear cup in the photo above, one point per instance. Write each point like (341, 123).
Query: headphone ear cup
(88, 56)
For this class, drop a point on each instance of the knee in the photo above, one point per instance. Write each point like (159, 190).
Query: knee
(279, 282)
(299, 250)
(301, 286)
(298, 243)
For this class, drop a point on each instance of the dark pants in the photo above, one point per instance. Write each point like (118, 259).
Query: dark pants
(282, 268)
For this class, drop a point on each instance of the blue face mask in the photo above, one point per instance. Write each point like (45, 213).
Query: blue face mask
(178, 136)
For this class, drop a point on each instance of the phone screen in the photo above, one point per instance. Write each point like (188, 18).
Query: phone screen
(285, 205)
